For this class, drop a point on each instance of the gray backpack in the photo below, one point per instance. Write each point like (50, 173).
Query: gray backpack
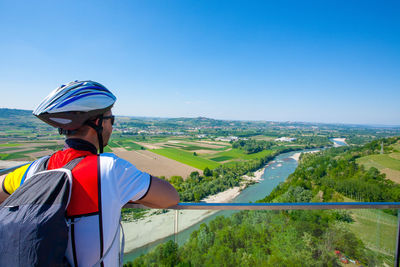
(33, 226)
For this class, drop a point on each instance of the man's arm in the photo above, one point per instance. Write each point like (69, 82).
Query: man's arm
(3, 195)
(161, 194)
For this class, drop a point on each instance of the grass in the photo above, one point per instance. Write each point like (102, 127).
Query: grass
(221, 158)
(193, 147)
(239, 154)
(3, 156)
(9, 149)
(377, 230)
(186, 158)
(396, 147)
(173, 145)
(24, 154)
(125, 143)
(395, 156)
(380, 161)
(107, 149)
(20, 155)
(10, 145)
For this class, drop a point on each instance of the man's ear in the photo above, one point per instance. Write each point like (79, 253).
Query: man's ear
(96, 121)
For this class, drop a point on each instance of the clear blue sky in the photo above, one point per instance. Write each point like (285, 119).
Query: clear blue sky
(315, 61)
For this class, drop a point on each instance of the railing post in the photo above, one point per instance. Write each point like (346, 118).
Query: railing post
(176, 226)
(396, 264)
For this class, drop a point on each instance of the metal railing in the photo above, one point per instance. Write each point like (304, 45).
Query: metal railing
(277, 206)
(5, 171)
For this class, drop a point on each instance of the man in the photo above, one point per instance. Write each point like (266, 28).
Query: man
(102, 183)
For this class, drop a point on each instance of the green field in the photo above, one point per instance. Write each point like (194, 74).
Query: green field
(396, 147)
(221, 158)
(6, 149)
(107, 149)
(125, 143)
(239, 154)
(381, 161)
(19, 155)
(173, 145)
(377, 230)
(186, 158)
(193, 147)
(10, 145)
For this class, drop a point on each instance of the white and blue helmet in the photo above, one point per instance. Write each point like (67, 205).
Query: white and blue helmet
(70, 106)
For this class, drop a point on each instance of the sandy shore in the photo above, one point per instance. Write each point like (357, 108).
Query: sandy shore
(296, 156)
(158, 226)
(343, 140)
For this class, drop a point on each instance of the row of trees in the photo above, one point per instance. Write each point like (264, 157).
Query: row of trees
(252, 146)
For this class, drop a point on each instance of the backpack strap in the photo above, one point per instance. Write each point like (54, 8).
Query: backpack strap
(112, 243)
(72, 164)
(35, 167)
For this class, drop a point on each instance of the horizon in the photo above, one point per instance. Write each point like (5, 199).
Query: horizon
(317, 62)
(233, 120)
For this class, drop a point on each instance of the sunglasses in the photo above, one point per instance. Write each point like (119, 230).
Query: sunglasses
(112, 118)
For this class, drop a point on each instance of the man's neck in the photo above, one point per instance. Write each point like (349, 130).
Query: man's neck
(80, 144)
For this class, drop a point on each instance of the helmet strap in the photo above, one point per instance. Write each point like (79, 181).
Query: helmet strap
(62, 131)
(99, 129)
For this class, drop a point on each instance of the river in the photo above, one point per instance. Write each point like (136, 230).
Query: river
(275, 172)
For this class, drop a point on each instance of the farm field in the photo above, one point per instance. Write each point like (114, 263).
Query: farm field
(187, 158)
(385, 163)
(155, 164)
(185, 144)
(377, 230)
(198, 154)
(125, 143)
(28, 150)
(235, 154)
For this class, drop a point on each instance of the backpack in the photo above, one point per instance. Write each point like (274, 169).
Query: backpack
(33, 226)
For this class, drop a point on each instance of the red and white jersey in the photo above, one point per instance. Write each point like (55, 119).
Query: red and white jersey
(102, 185)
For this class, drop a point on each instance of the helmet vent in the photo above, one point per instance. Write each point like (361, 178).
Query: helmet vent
(60, 120)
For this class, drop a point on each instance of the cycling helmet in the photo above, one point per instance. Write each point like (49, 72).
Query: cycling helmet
(70, 106)
(75, 104)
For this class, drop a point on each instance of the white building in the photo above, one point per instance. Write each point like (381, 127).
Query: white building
(285, 139)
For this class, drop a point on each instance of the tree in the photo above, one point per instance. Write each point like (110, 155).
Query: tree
(207, 172)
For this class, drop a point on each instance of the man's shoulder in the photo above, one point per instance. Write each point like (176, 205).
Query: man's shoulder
(109, 156)
(114, 160)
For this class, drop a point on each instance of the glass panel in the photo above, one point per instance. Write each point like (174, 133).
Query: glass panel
(378, 231)
(146, 228)
(264, 238)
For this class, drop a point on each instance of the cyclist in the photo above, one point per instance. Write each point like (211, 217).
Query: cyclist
(103, 183)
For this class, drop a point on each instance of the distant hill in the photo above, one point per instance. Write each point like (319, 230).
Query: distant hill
(8, 113)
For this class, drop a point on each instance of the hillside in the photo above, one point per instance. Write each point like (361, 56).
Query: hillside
(387, 163)
(10, 113)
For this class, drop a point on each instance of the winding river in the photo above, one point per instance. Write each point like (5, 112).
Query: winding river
(275, 172)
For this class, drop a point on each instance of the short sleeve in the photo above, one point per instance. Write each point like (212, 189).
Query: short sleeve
(132, 184)
(13, 179)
